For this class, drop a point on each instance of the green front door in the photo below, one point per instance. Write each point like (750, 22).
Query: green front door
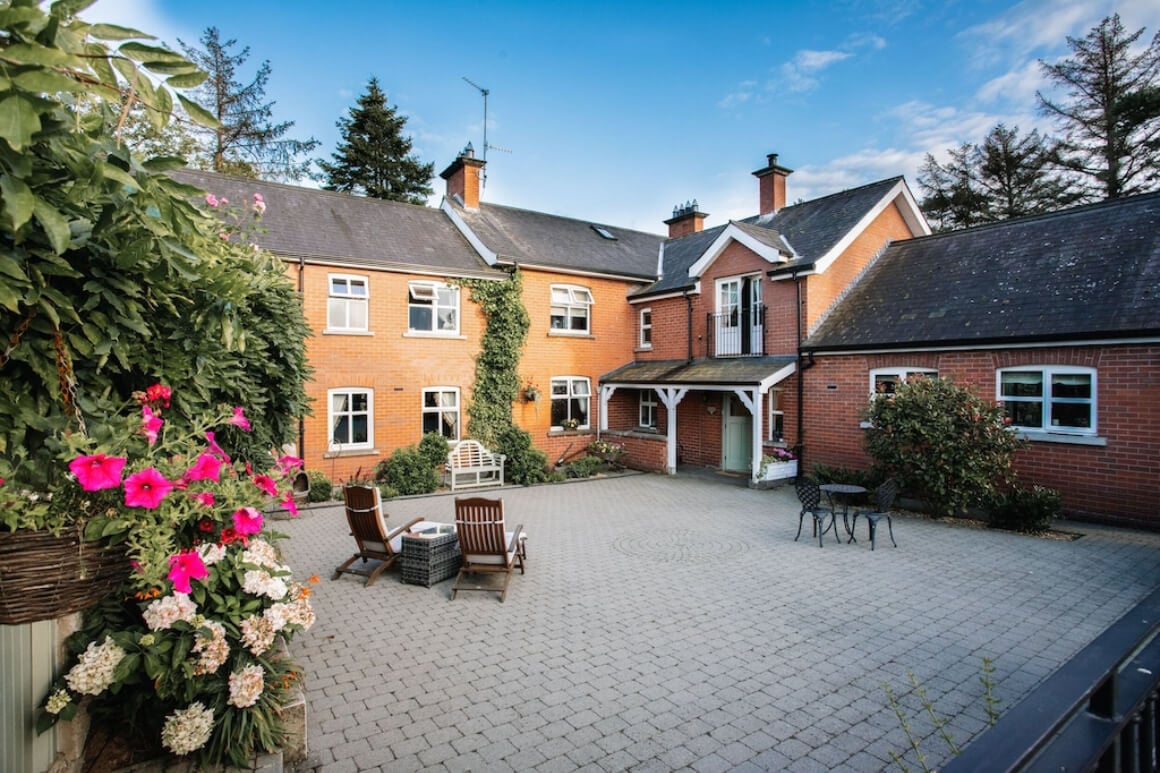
(737, 426)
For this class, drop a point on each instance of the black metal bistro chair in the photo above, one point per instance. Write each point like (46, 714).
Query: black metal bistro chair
(884, 497)
(811, 496)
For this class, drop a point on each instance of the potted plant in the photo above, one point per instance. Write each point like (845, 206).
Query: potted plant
(188, 649)
(779, 464)
(570, 424)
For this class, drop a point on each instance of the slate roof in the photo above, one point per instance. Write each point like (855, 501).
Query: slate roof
(325, 226)
(538, 238)
(1086, 273)
(811, 229)
(742, 370)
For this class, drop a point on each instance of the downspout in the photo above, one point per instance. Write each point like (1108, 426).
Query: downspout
(802, 367)
(301, 420)
(689, 315)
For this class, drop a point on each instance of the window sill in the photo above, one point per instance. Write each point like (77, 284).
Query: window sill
(424, 334)
(351, 452)
(567, 334)
(340, 332)
(556, 431)
(1061, 437)
(643, 349)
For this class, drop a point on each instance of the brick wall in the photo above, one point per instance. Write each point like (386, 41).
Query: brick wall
(395, 366)
(1114, 482)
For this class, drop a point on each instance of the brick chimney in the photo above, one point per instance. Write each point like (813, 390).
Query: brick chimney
(771, 185)
(687, 219)
(463, 177)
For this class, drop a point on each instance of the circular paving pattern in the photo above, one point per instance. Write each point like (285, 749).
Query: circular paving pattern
(680, 546)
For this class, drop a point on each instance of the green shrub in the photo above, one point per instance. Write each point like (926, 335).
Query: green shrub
(433, 447)
(943, 443)
(387, 491)
(525, 463)
(320, 487)
(1027, 510)
(408, 472)
(584, 467)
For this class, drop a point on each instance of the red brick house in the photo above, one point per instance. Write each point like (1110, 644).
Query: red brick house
(1057, 317)
(395, 339)
(712, 379)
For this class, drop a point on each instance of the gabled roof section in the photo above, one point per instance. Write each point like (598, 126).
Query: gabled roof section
(538, 239)
(343, 229)
(804, 237)
(1089, 273)
(820, 230)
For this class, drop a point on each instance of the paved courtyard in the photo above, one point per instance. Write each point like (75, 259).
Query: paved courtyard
(674, 624)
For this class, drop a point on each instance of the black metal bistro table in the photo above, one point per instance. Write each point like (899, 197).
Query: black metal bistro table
(843, 492)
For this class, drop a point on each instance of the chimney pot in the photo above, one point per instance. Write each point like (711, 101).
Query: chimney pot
(687, 219)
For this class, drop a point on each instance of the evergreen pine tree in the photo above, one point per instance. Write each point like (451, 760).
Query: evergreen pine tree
(374, 158)
(1111, 119)
(246, 142)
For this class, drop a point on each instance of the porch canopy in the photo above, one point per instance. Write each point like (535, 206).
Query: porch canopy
(749, 378)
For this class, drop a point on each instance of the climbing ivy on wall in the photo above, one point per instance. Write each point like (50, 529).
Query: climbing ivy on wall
(497, 365)
(497, 380)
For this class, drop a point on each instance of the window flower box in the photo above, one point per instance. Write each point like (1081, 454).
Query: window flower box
(777, 467)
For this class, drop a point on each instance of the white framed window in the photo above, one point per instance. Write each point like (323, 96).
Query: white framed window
(346, 304)
(648, 408)
(571, 399)
(776, 417)
(646, 328)
(432, 307)
(441, 411)
(351, 417)
(1049, 398)
(885, 381)
(571, 309)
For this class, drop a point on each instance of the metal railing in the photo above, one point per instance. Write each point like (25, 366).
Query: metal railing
(736, 333)
(1099, 712)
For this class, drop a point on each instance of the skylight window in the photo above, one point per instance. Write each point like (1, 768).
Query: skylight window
(603, 232)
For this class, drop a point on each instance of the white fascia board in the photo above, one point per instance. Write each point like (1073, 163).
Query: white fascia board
(733, 233)
(488, 256)
(911, 214)
(778, 377)
(388, 268)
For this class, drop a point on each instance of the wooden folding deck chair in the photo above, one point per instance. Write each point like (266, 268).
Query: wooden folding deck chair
(486, 544)
(364, 513)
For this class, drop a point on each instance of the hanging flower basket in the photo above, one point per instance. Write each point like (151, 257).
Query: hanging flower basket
(43, 577)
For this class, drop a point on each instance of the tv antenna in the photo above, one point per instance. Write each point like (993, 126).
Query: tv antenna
(485, 93)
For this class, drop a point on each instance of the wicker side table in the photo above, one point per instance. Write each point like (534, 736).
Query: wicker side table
(430, 557)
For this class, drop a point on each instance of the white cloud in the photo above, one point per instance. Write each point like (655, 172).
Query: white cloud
(1016, 86)
(142, 15)
(798, 73)
(739, 96)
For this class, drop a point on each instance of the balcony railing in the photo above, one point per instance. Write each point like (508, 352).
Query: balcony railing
(1098, 712)
(736, 333)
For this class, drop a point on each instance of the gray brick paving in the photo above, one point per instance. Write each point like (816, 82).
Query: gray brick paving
(674, 624)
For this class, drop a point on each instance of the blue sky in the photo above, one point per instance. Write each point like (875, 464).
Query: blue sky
(615, 112)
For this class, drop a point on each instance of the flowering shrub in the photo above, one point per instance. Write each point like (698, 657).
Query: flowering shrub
(779, 455)
(188, 655)
(606, 450)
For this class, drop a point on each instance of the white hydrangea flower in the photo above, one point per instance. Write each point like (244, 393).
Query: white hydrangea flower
(214, 650)
(259, 582)
(187, 730)
(261, 553)
(164, 612)
(57, 702)
(93, 672)
(258, 634)
(246, 686)
(211, 553)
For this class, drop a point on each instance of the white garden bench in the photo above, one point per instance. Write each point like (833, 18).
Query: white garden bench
(470, 465)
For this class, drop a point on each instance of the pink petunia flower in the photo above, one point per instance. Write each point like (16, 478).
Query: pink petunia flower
(247, 520)
(151, 424)
(146, 488)
(267, 484)
(97, 472)
(290, 505)
(288, 465)
(214, 448)
(205, 467)
(211, 199)
(239, 420)
(205, 497)
(186, 566)
(159, 393)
